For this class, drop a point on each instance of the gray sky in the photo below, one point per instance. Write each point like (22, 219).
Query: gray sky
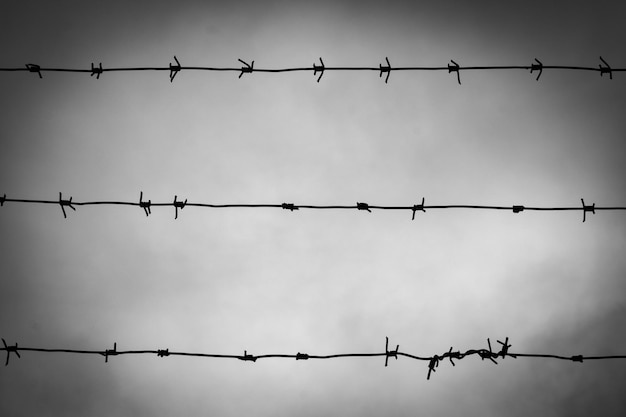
(321, 282)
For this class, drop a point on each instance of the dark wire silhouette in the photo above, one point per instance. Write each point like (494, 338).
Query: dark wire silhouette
(360, 206)
(433, 361)
(246, 68)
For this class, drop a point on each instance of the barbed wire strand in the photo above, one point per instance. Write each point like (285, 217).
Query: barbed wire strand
(360, 206)
(433, 361)
(383, 69)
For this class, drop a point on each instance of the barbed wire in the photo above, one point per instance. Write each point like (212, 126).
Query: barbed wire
(383, 69)
(360, 206)
(433, 361)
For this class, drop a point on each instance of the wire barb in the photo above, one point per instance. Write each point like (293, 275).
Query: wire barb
(96, 71)
(488, 354)
(319, 68)
(110, 352)
(34, 68)
(178, 205)
(518, 209)
(163, 352)
(145, 205)
(606, 69)
(504, 351)
(174, 69)
(434, 362)
(363, 206)
(390, 353)
(64, 203)
(591, 208)
(455, 68)
(247, 69)
(9, 350)
(289, 206)
(577, 358)
(385, 69)
(452, 355)
(247, 357)
(302, 356)
(417, 207)
(2, 200)
(537, 67)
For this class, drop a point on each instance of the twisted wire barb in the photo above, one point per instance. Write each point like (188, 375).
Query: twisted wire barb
(173, 69)
(433, 361)
(146, 206)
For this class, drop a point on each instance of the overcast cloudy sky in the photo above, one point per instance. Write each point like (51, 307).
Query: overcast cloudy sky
(321, 282)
